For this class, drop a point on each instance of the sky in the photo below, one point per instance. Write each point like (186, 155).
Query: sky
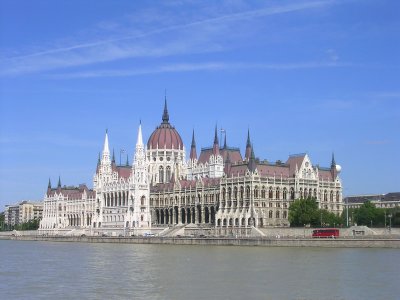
(303, 76)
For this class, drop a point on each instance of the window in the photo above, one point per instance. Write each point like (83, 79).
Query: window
(161, 174)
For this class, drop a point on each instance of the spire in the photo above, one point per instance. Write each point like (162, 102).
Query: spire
(49, 185)
(99, 160)
(165, 116)
(59, 182)
(113, 157)
(193, 154)
(216, 136)
(248, 146)
(105, 148)
(216, 143)
(333, 164)
(140, 137)
(127, 160)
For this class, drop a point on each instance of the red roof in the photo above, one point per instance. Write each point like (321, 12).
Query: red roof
(165, 137)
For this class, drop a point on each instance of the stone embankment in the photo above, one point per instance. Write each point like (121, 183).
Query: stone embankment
(375, 242)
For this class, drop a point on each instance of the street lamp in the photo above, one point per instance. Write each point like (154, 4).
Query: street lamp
(390, 222)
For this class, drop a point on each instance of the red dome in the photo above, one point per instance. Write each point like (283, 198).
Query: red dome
(165, 136)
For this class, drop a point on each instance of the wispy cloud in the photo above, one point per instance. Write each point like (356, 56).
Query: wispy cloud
(207, 66)
(196, 34)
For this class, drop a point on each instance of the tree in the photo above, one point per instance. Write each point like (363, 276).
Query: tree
(303, 212)
(369, 215)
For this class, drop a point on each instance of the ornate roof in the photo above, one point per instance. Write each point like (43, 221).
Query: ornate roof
(165, 136)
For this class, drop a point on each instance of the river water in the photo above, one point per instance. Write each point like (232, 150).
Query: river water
(54, 270)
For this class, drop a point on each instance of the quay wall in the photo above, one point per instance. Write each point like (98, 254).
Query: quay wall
(208, 241)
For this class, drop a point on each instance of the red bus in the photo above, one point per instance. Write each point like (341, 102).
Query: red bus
(325, 233)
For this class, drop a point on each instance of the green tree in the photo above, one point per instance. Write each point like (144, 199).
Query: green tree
(303, 212)
(369, 215)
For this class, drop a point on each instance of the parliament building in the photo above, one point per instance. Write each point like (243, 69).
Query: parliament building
(219, 188)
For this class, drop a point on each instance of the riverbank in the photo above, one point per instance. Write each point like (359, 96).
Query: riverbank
(375, 242)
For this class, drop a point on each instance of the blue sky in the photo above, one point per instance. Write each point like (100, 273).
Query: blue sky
(304, 76)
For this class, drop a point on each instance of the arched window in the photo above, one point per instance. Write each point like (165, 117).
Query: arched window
(263, 192)
(241, 193)
(284, 194)
(161, 174)
(331, 196)
(142, 200)
(229, 193)
(285, 214)
(256, 192)
(278, 193)
(337, 196)
(277, 214)
(223, 194)
(247, 192)
(270, 193)
(235, 193)
(305, 193)
(292, 193)
(270, 214)
(168, 174)
(325, 195)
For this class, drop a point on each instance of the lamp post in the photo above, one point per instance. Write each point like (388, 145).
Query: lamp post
(390, 222)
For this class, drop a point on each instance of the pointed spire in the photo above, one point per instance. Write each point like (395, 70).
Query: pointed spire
(248, 146)
(59, 182)
(127, 160)
(193, 153)
(165, 116)
(99, 160)
(216, 136)
(248, 143)
(140, 136)
(216, 143)
(333, 164)
(106, 148)
(49, 185)
(113, 157)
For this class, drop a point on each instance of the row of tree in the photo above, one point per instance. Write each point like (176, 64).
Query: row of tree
(30, 225)
(305, 212)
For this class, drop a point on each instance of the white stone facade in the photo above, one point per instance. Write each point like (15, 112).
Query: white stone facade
(218, 189)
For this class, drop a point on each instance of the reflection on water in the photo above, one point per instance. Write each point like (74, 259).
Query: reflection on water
(48, 270)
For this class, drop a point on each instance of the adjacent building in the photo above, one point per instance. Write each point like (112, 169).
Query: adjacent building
(22, 212)
(217, 188)
(389, 200)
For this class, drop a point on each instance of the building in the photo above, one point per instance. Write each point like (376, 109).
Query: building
(22, 212)
(219, 188)
(389, 200)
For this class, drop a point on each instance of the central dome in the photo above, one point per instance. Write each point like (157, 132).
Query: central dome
(165, 136)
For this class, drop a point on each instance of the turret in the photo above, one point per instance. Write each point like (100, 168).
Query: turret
(193, 154)
(49, 185)
(59, 183)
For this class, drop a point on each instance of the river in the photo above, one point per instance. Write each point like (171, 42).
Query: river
(56, 270)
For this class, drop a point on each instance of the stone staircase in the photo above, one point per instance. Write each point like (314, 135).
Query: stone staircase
(173, 231)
